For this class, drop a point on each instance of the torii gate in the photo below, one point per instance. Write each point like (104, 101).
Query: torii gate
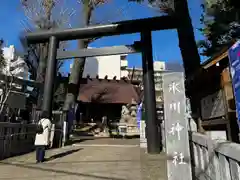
(142, 26)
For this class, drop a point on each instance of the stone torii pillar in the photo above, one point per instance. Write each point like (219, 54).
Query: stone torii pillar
(50, 75)
(152, 133)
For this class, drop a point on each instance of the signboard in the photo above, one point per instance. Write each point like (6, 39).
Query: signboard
(176, 127)
(212, 106)
(234, 61)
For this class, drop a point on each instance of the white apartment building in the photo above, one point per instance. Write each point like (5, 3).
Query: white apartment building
(102, 66)
(159, 67)
(15, 65)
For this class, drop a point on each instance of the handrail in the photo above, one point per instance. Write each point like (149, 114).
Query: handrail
(229, 149)
(7, 136)
(199, 139)
(9, 124)
(24, 133)
(225, 148)
(214, 159)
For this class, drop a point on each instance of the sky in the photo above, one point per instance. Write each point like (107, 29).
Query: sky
(165, 43)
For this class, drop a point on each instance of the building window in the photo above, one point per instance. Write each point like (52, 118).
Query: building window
(123, 57)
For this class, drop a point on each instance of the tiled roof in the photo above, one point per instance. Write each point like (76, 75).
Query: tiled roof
(107, 91)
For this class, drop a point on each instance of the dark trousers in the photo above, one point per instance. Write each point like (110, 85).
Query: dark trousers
(40, 153)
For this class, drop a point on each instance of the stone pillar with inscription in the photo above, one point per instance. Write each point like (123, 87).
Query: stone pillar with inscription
(176, 126)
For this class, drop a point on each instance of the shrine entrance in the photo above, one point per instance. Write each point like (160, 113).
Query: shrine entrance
(177, 143)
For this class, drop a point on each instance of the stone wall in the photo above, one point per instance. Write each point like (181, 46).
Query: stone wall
(16, 139)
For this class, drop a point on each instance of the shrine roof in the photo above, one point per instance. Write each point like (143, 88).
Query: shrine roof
(215, 59)
(107, 91)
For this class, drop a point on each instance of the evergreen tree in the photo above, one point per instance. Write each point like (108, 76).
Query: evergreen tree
(187, 43)
(221, 21)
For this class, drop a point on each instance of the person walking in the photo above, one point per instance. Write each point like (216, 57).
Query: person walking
(42, 139)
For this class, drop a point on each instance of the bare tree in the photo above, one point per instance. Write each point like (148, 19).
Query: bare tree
(88, 6)
(6, 88)
(45, 14)
(2, 60)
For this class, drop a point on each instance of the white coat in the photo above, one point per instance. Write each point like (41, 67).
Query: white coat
(43, 139)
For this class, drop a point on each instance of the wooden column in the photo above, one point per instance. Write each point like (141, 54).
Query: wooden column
(232, 126)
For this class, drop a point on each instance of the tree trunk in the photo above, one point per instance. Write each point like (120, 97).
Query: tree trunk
(41, 71)
(78, 66)
(48, 7)
(187, 45)
(74, 79)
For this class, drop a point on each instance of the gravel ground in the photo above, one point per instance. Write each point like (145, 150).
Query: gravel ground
(99, 159)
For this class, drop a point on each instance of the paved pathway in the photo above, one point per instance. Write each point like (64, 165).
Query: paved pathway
(102, 159)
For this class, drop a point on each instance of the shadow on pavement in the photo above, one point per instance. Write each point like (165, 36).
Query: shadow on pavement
(60, 171)
(79, 140)
(88, 162)
(62, 154)
(126, 137)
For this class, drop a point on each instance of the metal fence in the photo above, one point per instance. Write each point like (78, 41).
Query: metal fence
(16, 138)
